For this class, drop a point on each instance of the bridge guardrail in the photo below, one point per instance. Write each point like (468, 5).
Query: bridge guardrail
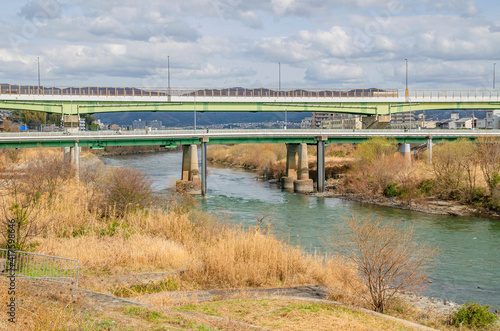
(220, 92)
(240, 92)
(204, 132)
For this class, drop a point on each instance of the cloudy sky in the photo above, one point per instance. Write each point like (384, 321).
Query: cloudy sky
(221, 43)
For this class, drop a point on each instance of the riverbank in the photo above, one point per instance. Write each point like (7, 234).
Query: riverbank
(423, 205)
(128, 150)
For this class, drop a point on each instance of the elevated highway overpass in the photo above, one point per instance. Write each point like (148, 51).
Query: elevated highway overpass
(94, 100)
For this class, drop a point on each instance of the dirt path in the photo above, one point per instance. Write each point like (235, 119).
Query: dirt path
(183, 297)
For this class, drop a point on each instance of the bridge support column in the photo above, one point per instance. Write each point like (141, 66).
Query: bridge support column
(429, 149)
(204, 141)
(72, 154)
(190, 178)
(77, 160)
(67, 154)
(405, 150)
(320, 180)
(303, 182)
(291, 166)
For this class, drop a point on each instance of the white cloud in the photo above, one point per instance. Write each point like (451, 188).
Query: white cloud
(322, 41)
(326, 72)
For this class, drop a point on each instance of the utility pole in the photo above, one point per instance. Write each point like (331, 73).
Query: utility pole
(38, 58)
(279, 78)
(168, 78)
(494, 72)
(407, 93)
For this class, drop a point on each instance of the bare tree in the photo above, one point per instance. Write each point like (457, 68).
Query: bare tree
(127, 189)
(18, 208)
(24, 189)
(489, 161)
(389, 257)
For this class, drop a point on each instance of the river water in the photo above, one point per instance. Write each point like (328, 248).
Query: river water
(468, 267)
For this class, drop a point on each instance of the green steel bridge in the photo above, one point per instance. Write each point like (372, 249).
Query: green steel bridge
(93, 100)
(173, 138)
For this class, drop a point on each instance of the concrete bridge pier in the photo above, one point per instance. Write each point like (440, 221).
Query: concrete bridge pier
(190, 179)
(67, 154)
(291, 166)
(77, 160)
(204, 142)
(303, 182)
(405, 150)
(429, 149)
(321, 163)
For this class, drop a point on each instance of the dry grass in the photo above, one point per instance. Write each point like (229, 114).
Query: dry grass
(213, 254)
(248, 155)
(277, 314)
(273, 157)
(46, 306)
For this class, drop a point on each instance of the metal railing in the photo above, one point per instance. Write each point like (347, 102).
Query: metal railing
(111, 134)
(194, 91)
(240, 92)
(44, 267)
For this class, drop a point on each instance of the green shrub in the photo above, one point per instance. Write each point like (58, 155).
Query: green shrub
(391, 191)
(425, 187)
(472, 315)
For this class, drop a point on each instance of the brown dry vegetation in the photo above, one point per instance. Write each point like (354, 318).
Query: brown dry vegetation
(77, 221)
(462, 170)
(273, 157)
(161, 237)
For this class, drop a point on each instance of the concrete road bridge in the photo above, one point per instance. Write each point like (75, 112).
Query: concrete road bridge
(297, 173)
(93, 100)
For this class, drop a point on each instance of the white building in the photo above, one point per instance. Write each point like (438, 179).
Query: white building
(344, 123)
(455, 122)
(491, 121)
(405, 117)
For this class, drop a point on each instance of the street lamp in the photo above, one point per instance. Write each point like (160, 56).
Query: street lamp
(279, 78)
(285, 119)
(168, 79)
(38, 59)
(494, 71)
(407, 93)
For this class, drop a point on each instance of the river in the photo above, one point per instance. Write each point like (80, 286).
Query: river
(467, 268)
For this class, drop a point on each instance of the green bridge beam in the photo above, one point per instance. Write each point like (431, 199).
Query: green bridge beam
(364, 108)
(100, 141)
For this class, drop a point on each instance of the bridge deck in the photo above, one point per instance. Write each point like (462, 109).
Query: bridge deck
(91, 100)
(172, 138)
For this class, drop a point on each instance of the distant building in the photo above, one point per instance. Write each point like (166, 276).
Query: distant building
(491, 121)
(403, 118)
(306, 123)
(415, 125)
(316, 121)
(139, 125)
(81, 125)
(101, 125)
(455, 122)
(349, 123)
(154, 125)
